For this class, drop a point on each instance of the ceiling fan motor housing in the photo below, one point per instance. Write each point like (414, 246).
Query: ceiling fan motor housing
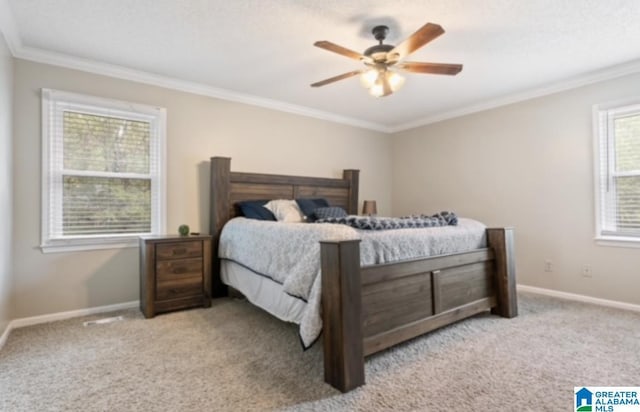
(378, 48)
(379, 52)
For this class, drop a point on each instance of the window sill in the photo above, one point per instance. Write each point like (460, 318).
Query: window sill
(77, 245)
(618, 241)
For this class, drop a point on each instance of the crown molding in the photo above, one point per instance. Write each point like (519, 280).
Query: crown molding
(139, 76)
(609, 73)
(121, 72)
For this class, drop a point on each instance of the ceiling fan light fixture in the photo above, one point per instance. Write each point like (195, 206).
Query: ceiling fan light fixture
(395, 80)
(377, 90)
(387, 83)
(369, 77)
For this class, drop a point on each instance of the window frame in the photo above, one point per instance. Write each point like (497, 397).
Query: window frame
(54, 102)
(603, 116)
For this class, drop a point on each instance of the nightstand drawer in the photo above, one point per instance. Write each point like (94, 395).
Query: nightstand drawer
(185, 286)
(179, 250)
(178, 269)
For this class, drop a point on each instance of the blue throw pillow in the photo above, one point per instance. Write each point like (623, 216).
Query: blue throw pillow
(308, 206)
(333, 211)
(254, 209)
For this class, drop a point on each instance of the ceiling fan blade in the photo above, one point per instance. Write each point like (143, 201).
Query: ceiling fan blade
(336, 78)
(418, 39)
(332, 47)
(432, 68)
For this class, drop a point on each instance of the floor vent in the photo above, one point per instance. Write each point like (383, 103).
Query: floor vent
(103, 321)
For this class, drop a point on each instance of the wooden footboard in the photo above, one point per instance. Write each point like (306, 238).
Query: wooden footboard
(368, 309)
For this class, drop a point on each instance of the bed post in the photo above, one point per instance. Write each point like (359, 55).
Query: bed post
(501, 241)
(342, 314)
(219, 206)
(353, 176)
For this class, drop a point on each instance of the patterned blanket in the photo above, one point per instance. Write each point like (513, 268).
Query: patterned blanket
(386, 223)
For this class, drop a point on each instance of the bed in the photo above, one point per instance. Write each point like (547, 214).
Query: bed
(366, 309)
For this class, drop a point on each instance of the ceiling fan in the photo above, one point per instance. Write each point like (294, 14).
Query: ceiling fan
(379, 59)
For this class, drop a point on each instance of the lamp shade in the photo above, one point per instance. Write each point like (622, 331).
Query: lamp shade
(369, 207)
(369, 77)
(385, 83)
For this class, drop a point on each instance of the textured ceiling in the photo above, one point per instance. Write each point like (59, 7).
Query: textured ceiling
(263, 49)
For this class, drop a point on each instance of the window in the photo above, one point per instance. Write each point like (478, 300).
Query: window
(617, 150)
(103, 172)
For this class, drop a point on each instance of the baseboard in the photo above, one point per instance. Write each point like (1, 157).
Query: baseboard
(580, 298)
(35, 320)
(5, 335)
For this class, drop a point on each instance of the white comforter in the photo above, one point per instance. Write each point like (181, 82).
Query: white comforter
(289, 253)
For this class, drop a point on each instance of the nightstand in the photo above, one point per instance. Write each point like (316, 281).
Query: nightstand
(175, 273)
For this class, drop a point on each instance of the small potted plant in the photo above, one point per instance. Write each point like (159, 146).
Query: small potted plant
(183, 230)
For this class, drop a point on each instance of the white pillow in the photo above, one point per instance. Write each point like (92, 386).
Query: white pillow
(285, 210)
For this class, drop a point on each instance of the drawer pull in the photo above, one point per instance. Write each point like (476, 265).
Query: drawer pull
(180, 251)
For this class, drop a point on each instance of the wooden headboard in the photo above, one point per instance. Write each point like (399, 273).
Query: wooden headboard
(227, 188)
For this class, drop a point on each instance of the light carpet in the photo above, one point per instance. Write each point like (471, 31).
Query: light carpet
(235, 357)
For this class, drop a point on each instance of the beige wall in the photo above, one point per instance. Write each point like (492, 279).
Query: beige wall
(257, 140)
(527, 165)
(6, 88)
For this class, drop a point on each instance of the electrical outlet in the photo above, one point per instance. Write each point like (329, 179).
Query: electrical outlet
(587, 271)
(548, 265)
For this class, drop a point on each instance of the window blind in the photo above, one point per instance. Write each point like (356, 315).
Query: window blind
(619, 153)
(106, 175)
